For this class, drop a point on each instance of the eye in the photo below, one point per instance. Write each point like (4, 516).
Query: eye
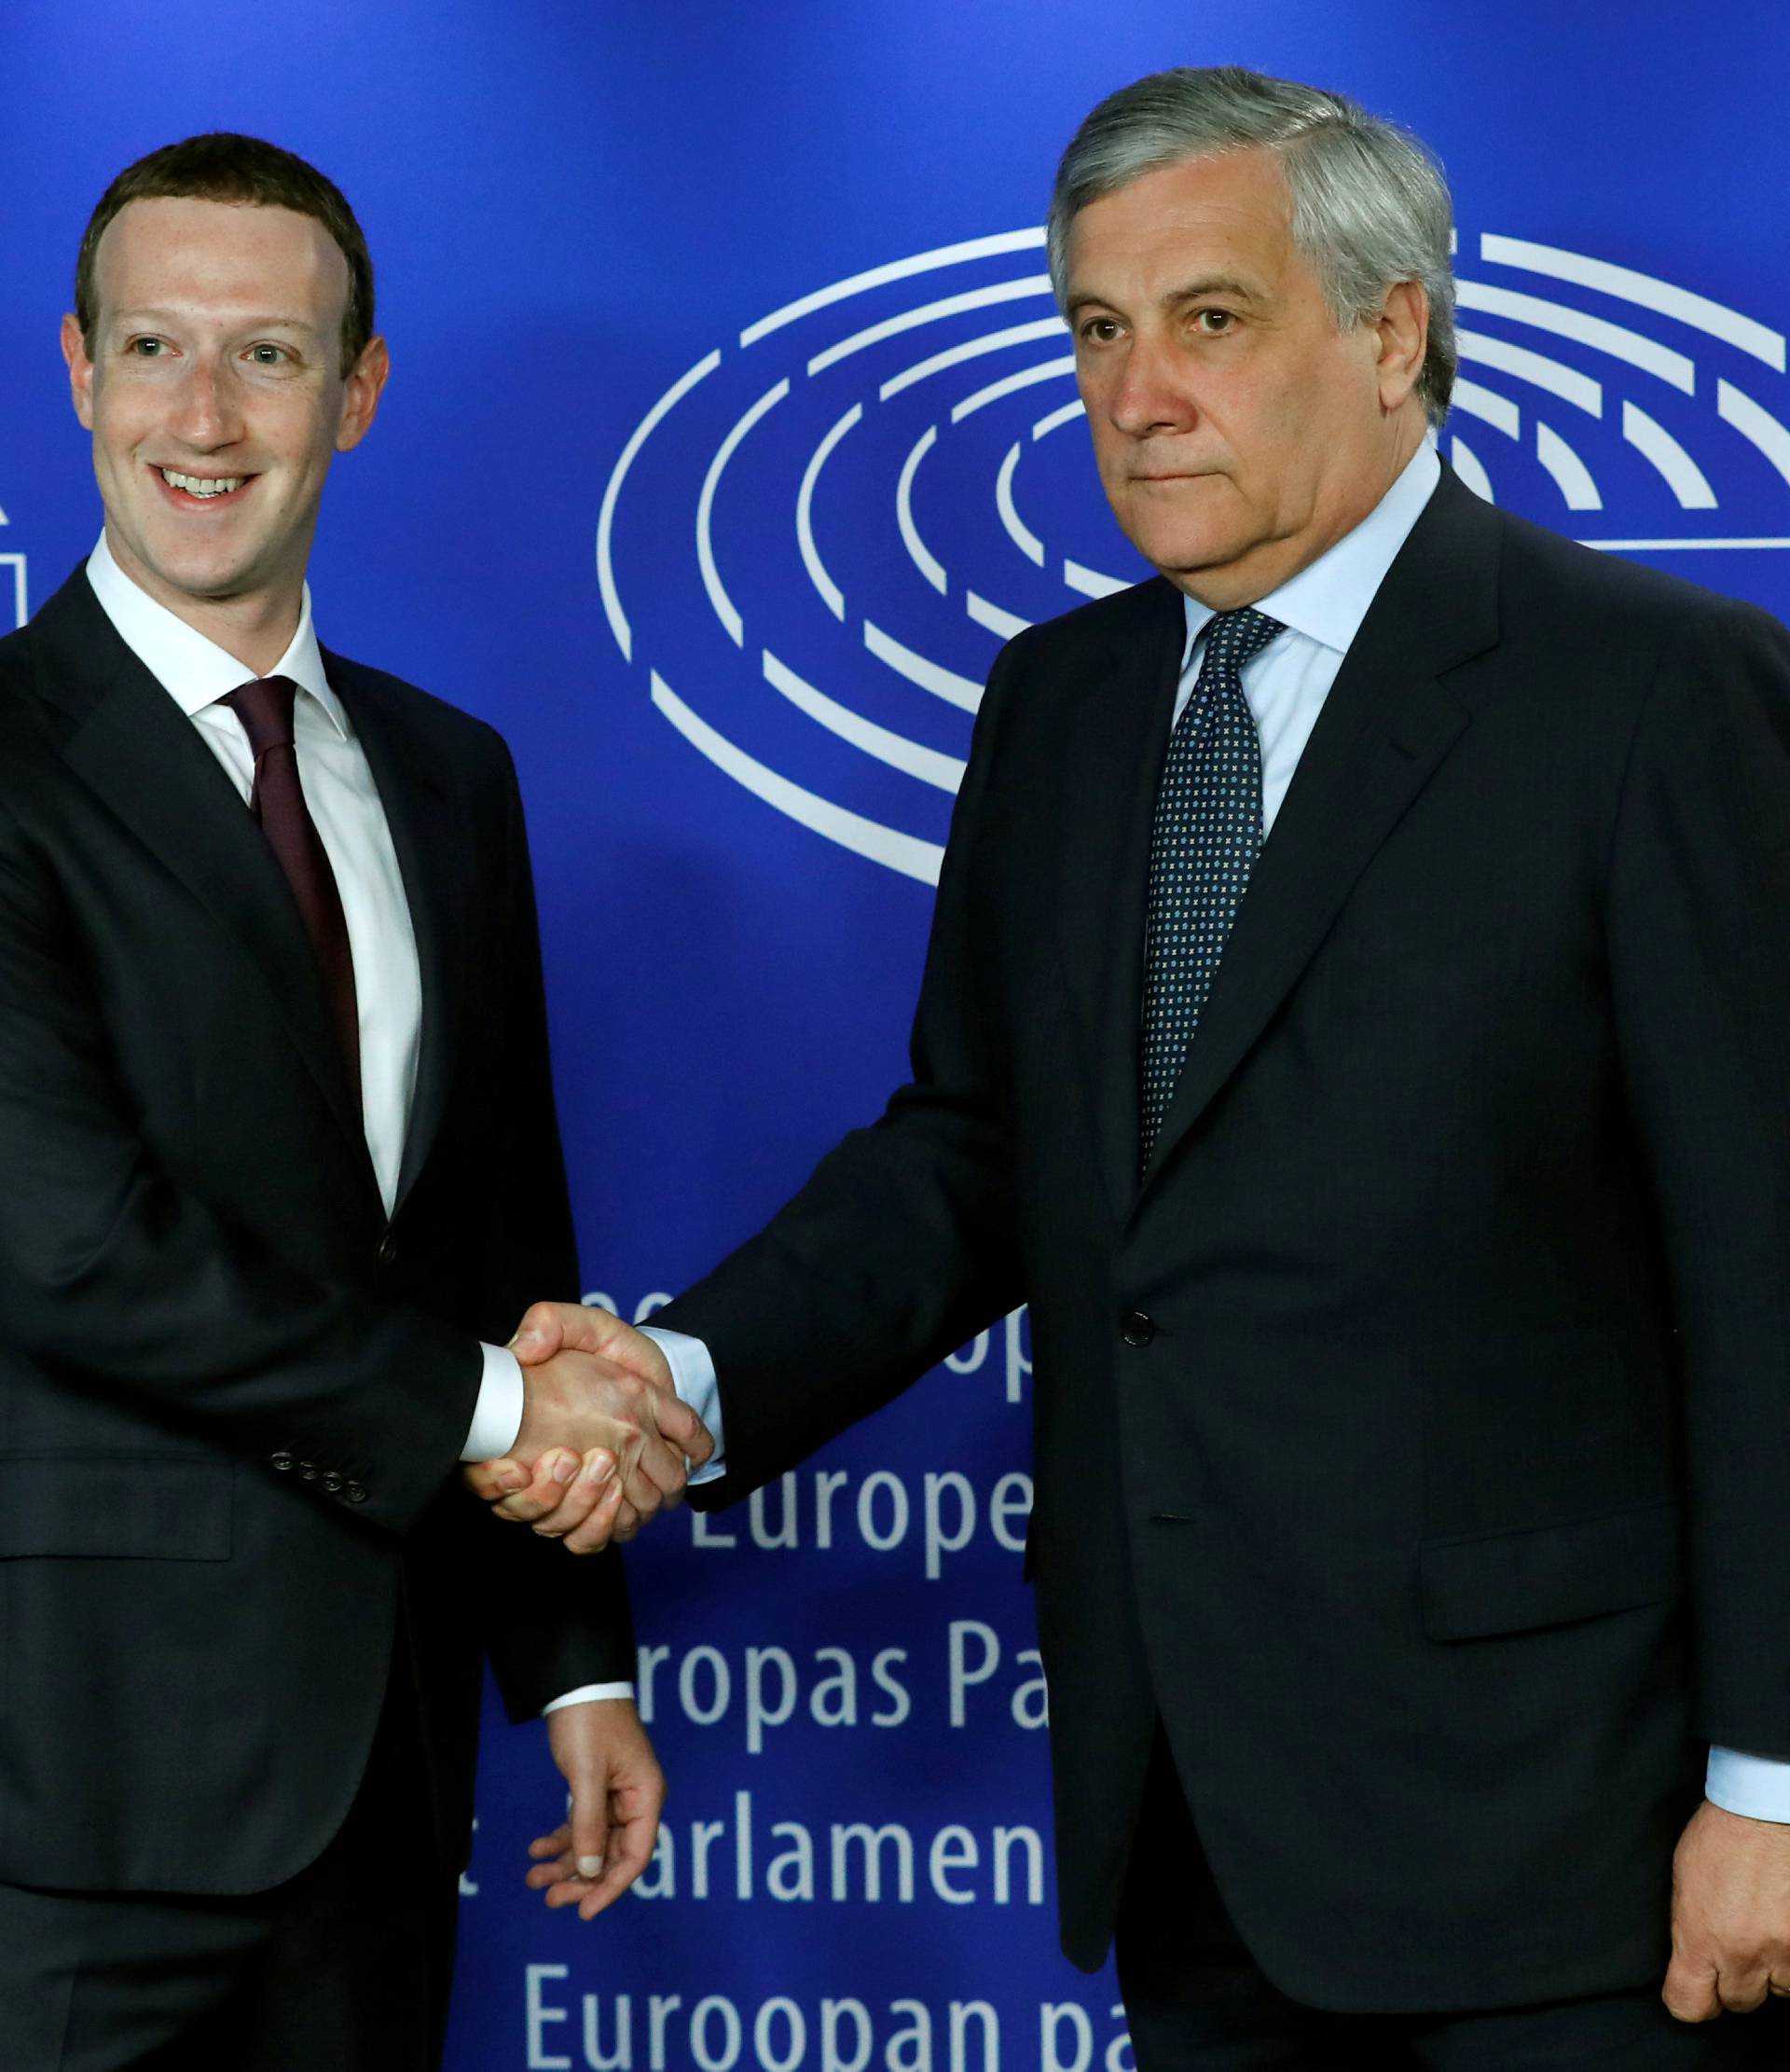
(146, 349)
(1100, 330)
(1214, 323)
(268, 355)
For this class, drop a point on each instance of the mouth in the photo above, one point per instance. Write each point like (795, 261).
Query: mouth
(191, 491)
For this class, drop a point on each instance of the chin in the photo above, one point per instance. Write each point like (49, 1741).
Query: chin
(1184, 550)
(191, 578)
(1172, 537)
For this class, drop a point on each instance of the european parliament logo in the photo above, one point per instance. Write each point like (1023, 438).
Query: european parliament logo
(814, 542)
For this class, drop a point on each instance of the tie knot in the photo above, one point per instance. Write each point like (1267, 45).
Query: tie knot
(265, 707)
(1233, 636)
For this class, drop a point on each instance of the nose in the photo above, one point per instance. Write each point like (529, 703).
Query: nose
(207, 415)
(1149, 393)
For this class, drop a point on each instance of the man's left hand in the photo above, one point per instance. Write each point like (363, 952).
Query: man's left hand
(1730, 1916)
(617, 1791)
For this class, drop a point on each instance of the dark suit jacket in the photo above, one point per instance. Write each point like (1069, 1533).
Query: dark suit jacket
(1413, 1440)
(232, 1395)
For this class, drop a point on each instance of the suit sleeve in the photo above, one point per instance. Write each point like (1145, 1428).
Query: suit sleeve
(118, 1279)
(550, 1623)
(1698, 922)
(903, 1243)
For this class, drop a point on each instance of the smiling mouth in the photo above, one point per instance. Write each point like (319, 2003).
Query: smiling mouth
(187, 487)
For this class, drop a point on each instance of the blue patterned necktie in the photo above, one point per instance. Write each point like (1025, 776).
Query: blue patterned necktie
(1201, 848)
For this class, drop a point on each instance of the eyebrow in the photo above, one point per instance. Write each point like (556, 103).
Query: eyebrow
(1213, 284)
(1192, 291)
(300, 324)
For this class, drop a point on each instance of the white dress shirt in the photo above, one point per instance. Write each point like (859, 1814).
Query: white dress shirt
(1286, 683)
(344, 802)
(1321, 609)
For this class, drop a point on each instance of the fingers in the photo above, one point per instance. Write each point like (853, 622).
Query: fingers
(634, 1812)
(609, 1492)
(630, 1850)
(1690, 1989)
(489, 1480)
(680, 1424)
(590, 1825)
(627, 1522)
(539, 1336)
(617, 1790)
(620, 1508)
(611, 1518)
(659, 1477)
(587, 1513)
(1742, 1987)
(583, 1522)
(552, 1475)
(553, 1327)
(1731, 1915)
(553, 1863)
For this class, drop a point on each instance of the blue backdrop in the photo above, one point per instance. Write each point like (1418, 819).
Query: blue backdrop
(728, 433)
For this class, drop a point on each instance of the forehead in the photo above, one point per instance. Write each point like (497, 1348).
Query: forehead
(1227, 215)
(221, 259)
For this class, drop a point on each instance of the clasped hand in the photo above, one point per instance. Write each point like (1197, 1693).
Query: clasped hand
(1730, 1916)
(606, 1443)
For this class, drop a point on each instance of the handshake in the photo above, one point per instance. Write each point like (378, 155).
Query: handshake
(606, 1443)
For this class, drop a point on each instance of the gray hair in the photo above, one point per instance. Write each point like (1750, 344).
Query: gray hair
(1369, 204)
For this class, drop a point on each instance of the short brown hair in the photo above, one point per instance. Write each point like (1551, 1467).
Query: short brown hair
(222, 166)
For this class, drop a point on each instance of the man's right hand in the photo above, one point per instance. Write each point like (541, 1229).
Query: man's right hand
(605, 1442)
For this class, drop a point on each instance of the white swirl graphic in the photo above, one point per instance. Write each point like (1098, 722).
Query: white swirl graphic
(870, 486)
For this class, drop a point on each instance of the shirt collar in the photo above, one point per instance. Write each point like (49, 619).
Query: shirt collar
(1327, 601)
(194, 671)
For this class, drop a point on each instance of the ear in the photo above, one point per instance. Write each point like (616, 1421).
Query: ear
(1402, 333)
(81, 369)
(361, 397)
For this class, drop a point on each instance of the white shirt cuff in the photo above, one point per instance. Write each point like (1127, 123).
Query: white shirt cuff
(1756, 1786)
(694, 1377)
(587, 1694)
(497, 1416)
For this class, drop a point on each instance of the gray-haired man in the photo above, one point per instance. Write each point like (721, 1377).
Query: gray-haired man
(1357, 1020)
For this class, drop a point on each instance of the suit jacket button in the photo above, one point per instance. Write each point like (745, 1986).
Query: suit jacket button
(333, 1483)
(283, 1461)
(388, 1251)
(1137, 1329)
(354, 1491)
(307, 1471)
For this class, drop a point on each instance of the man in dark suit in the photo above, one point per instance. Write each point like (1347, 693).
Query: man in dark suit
(1357, 1021)
(281, 1169)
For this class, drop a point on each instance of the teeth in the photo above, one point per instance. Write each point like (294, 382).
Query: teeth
(196, 484)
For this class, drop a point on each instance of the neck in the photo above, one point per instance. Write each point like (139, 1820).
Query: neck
(256, 626)
(1276, 561)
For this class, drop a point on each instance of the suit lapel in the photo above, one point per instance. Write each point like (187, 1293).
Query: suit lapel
(1386, 726)
(419, 812)
(135, 747)
(1118, 738)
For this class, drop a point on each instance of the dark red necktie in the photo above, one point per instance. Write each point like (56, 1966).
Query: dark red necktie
(265, 707)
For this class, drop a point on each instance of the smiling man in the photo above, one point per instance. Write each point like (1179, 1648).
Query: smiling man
(1357, 1020)
(281, 1170)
